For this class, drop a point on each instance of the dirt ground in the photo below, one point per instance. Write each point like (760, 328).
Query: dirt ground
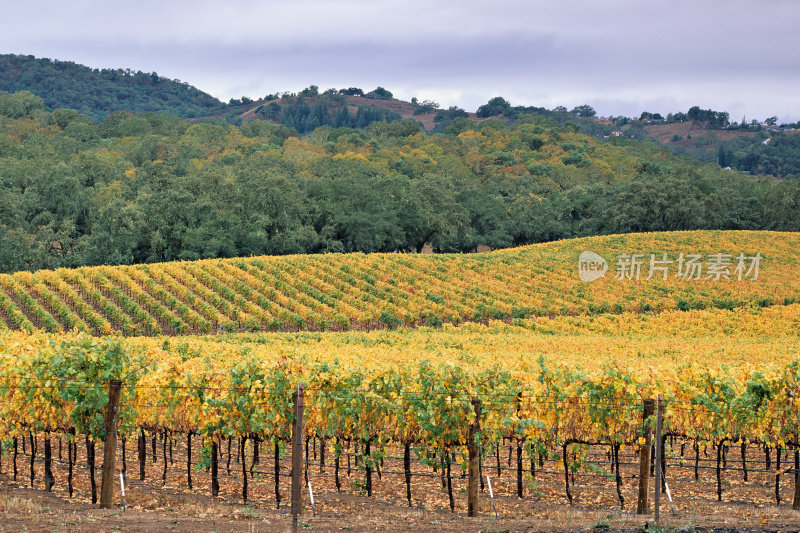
(172, 507)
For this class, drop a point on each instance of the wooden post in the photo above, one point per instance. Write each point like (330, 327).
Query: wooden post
(659, 444)
(642, 506)
(297, 456)
(473, 450)
(110, 444)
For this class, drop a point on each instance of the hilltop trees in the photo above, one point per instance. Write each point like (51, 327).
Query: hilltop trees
(584, 110)
(716, 119)
(301, 117)
(493, 107)
(380, 92)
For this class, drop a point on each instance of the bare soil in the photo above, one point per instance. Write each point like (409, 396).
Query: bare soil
(156, 506)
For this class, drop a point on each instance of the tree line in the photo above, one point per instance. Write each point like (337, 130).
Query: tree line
(140, 188)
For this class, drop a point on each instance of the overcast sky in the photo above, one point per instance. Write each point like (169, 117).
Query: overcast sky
(620, 56)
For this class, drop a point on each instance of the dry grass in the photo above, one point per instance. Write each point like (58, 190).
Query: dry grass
(11, 504)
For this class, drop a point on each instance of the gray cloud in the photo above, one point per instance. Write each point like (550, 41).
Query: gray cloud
(621, 56)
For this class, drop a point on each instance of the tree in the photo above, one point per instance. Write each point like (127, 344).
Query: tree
(19, 104)
(380, 92)
(585, 111)
(445, 117)
(431, 214)
(493, 107)
(459, 125)
(271, 111)
(771, 121)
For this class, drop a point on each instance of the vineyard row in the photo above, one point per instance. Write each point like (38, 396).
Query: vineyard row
(358, 291)
(514, 462)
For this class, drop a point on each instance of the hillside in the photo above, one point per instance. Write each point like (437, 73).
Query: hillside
(344, 291)
(759, 151)
(260, 110)
(98, 93)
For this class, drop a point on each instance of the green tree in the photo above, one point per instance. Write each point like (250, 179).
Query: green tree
(493, 107)
(19, 104)
(584, 110)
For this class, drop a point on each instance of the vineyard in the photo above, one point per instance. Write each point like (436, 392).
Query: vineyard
(357, 291)
(559, 368)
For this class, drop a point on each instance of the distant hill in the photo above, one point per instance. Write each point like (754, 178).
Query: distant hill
(753, 147)
(98, 93)
(401, 108)
(705, 135)
(309, 109)
(756, 150)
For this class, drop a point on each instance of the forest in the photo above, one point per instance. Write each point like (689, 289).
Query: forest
(139, 188)
(100, 92)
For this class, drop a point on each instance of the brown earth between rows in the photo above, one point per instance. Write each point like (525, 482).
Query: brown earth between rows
(151, 506)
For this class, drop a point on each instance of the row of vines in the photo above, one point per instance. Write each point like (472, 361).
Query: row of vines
(357, 291)
(57, 386)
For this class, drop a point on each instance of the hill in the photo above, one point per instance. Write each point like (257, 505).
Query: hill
(153, 188)
(333, 105)
(98, 93)
(308, 110)
(344, 291)
(757, 149)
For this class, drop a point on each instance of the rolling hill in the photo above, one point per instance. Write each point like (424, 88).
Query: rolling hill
(366, 291)
(100, 92)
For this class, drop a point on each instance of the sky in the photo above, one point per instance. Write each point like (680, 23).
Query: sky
(621, 57)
